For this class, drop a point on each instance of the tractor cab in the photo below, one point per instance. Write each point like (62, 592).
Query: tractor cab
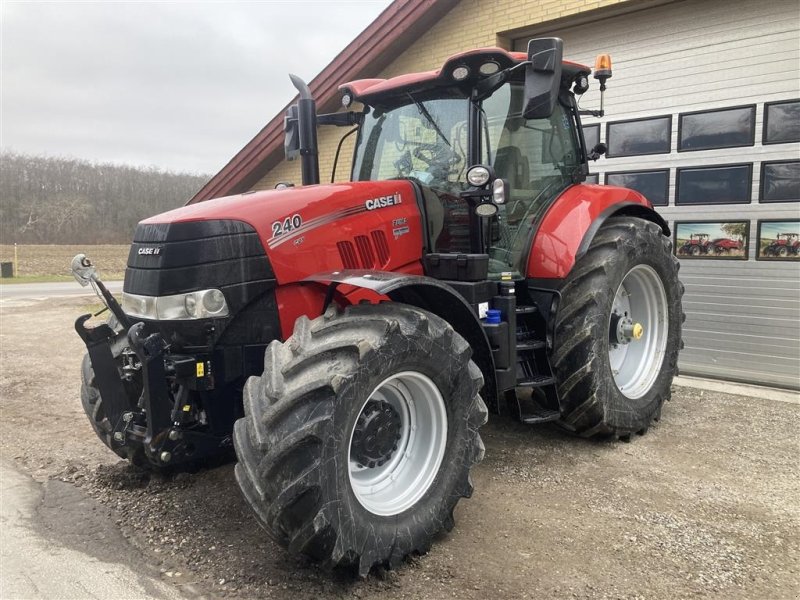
(511, 113)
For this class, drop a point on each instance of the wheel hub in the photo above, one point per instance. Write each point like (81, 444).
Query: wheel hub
(623, 330)
(376, 434)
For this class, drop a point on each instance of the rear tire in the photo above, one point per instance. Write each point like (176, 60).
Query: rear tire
(308, 416)
(628, 271)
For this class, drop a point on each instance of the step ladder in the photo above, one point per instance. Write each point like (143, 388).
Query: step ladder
(533, 369)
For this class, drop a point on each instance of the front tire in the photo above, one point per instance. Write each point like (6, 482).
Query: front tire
(359, 436)
(92, 403)
(618, 331)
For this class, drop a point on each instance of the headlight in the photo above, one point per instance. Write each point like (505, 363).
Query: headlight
(478, 175)
(178, 307)
(460, 73)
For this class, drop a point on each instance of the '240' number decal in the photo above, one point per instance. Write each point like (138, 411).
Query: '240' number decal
(287, 225)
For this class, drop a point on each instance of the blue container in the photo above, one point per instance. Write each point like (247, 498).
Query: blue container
(493, 316)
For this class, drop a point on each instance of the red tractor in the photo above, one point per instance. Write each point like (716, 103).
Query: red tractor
(347, 339)
(696, 245)
(725, 245)
(784, 244)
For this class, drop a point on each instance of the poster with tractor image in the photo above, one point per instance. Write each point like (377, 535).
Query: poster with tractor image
(724, 240)
(779, 240)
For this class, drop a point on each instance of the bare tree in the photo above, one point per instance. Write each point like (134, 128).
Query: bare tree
(61, 201)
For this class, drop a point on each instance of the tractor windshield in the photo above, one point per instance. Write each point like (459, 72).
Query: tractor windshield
(538, 158)
(424, 140)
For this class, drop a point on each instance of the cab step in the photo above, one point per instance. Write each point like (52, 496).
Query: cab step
(529, 345)
(539, 414)
(536, 381)
(526, 310)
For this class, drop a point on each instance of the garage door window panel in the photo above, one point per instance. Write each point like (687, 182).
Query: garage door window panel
(720, 184)
(780, 181)
(593, 178)
(653, 185)
(710, 129)
(591, 135)
(639, 136)
(782, 122)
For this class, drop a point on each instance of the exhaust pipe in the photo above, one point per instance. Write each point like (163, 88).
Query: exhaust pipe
(307, 126)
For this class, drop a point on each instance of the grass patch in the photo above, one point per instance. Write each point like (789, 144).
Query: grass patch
(53, 262)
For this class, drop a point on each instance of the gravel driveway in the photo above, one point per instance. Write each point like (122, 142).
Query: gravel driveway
(703, 506)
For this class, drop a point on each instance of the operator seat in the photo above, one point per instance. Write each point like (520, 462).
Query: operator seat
(511, 165)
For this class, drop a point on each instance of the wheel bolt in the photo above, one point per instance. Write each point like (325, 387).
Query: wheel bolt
(119, 436)
(174, 435)
(166, 456)
(127, 417)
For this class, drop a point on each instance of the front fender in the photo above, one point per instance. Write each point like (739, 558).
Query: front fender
(431, 295)
(570, 224)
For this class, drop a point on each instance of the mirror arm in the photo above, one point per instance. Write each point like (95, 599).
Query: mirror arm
(340, 119)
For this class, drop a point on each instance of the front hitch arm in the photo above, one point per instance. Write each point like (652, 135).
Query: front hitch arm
(150, 350)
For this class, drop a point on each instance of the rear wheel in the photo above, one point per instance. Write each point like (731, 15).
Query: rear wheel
(618, 331)
(358, 438)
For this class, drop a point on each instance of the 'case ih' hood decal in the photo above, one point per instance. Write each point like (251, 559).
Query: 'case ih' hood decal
(383, 201)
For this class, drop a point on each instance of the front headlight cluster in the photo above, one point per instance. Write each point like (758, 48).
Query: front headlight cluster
(203, 304)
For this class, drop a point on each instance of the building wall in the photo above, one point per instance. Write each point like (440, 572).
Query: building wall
(471, 24)
(742, 312)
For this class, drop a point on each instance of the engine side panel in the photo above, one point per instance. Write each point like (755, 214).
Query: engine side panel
(558, 240)
(359, 225)
(374, 225)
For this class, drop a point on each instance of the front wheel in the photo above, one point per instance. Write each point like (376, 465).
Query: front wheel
(358, 438)
(618, 331)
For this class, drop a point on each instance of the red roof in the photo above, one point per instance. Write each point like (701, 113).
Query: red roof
(365, 90)
(395, 29)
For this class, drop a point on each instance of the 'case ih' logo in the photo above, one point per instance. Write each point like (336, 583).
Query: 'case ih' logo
(383, 201)
(149, 250)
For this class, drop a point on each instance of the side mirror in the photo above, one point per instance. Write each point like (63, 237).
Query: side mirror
(542, 77)
(598, 151)
(291, 133)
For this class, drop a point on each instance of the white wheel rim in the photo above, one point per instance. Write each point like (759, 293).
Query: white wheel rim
(406, 476)
(636, 364)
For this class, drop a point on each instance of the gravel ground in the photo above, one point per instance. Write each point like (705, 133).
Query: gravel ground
(703, 506)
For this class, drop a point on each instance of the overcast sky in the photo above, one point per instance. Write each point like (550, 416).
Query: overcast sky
(180, 85)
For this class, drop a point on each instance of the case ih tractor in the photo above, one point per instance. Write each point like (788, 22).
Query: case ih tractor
(725, 245)
(784, 244)
(696, 245)
(347, 339)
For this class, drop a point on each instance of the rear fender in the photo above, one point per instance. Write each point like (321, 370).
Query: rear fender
(426, 293)
(570, 224)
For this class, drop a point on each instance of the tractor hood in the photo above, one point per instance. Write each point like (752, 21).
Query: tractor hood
(300, 229)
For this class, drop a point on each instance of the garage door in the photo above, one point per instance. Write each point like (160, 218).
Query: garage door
(703, 116)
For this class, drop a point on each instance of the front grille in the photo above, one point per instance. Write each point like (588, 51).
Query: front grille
(173, 258)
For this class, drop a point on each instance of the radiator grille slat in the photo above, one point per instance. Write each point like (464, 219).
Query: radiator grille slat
(365, 252)
(381, 247)
(348, 255)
